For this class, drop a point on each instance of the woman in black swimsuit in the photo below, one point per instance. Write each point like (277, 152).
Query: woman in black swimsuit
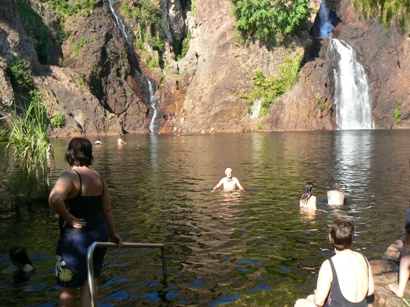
(81, 199)
(346, 279)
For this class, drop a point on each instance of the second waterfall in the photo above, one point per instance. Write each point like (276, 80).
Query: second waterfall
(352, 97)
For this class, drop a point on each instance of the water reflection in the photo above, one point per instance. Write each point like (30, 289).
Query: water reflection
(353, 158)
(226, 246)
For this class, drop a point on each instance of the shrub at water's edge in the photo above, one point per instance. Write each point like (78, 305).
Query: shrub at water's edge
(26, 152)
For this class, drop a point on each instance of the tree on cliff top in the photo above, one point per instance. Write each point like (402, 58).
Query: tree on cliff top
(269, 21)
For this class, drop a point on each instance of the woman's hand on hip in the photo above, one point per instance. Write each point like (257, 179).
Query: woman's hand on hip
(75, 222)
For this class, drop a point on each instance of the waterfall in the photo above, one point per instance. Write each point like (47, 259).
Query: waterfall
(152, 88)
(119, 22)
(326, 26)
(153, 126)
(352, 101)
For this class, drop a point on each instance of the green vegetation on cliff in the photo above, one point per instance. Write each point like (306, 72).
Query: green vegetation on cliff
(269, 21)
(63, 8)
(148, 17)
(268, 89)
(19, 75)
(387, 10)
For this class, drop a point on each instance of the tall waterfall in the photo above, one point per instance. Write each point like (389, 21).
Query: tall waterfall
(119, 22)
(153, 126)
(147, 83)
(352, 101)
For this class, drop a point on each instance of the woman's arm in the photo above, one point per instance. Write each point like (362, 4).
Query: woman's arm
(371, 281)
(323, 284)
(61, 191)
(109, 216)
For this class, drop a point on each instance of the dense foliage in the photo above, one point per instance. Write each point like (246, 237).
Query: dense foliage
(269, 21)
(268, 89)
(19, 75)
(387, 10)
(63, 8)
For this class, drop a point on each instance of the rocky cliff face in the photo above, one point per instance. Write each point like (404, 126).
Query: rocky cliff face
(99, 80)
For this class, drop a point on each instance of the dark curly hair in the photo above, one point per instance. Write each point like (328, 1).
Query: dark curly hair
(308, 192)
(79, 152)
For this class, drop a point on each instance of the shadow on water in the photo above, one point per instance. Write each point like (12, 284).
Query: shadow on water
(224, 247)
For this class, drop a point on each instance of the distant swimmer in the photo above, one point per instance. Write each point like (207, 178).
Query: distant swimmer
(97, 142)
(229, 183)
(50, 158)
(308, 200)
(335, 197)
(121, 142)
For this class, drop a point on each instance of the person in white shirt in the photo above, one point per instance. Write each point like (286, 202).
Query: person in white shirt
(229, 183)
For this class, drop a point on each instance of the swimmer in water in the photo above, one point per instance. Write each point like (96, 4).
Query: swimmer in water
(229, 183)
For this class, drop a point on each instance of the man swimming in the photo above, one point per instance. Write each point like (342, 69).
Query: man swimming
(229, 183)
(335, 197)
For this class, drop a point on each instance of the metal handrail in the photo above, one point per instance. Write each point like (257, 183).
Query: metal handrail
(90, 264)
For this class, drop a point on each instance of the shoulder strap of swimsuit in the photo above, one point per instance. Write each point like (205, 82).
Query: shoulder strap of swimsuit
(81, 184)
(333, 268)
(102, 179)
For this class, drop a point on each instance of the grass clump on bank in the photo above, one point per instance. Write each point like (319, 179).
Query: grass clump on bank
(26, 153)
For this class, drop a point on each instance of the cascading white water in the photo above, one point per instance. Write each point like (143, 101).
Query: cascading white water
(153, 126)
(352, 101)
(119, 22)
(153, 102)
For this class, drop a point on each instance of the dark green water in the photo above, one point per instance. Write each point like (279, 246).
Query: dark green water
(252, 248)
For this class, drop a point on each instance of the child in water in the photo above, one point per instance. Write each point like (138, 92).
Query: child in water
(18, 256)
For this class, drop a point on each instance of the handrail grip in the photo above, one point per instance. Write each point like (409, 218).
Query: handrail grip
(90, 264)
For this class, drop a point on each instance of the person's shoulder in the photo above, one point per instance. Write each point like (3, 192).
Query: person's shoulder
(359, 255)
(325, 267)
(68, 175)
